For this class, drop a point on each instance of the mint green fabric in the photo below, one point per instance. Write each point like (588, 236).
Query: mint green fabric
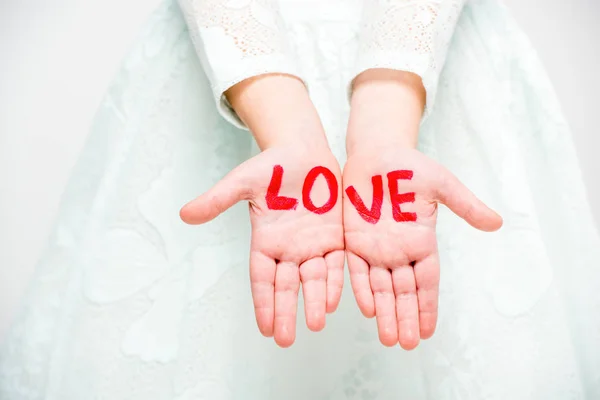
(130, 303)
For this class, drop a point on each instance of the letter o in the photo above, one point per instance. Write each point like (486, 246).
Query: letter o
(309, 182)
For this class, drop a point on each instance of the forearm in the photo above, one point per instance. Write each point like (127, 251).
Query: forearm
(277, 110)
(386, 110)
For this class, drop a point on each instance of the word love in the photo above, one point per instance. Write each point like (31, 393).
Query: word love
(371, 215)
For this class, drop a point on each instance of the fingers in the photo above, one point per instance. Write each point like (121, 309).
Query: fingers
(313, 274)
(335, 278)
(466, 205)
(407, 307)
(287, 284)
(361, 285)
(275, 293)
(383, 294)
(230, 190)
(262, 279)
(427, 275)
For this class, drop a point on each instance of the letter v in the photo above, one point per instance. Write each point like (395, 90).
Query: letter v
(372, 216)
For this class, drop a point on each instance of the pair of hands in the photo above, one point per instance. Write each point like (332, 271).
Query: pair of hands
(307, 218)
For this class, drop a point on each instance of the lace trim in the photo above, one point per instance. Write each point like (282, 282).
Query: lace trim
(408, 35)
(236, 40)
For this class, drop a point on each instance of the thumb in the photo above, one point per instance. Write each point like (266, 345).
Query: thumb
(230, 190)
(459, 199)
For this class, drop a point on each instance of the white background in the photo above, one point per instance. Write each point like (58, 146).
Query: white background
(57, 57)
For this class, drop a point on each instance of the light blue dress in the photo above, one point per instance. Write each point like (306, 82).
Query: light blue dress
(128, 302)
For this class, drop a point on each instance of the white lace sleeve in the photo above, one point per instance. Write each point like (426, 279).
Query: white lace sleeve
(235, 40)
(408, 35)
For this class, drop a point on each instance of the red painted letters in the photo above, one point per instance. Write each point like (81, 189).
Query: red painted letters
(274, 201)
(308, 184)
(372, 216)
(399, 198)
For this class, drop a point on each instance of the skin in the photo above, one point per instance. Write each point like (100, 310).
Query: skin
(289, 248)
(394, 266)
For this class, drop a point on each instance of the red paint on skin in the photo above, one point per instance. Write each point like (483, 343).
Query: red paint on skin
(274, 201)
(400, 198)
(372, 216)
(308, 185)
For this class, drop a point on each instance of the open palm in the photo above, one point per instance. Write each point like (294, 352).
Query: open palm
(390, 211)
(297, 235)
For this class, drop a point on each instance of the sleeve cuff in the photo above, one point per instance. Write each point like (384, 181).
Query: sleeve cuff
(249, 68)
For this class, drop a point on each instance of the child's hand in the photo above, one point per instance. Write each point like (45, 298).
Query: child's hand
(390, 209)
(294, 192)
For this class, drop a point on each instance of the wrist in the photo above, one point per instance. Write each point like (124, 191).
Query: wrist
(377, 146)
(386, 110)
(278, 111)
